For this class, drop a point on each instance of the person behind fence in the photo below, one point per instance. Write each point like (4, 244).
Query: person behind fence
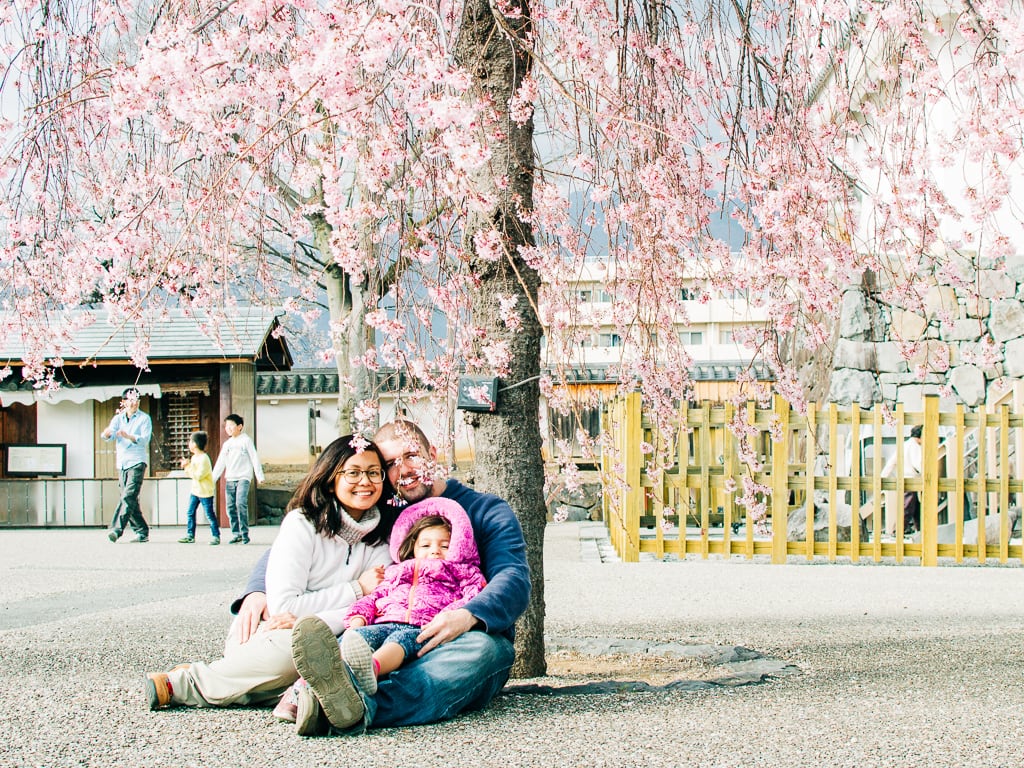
(468, 651)
(238, 463)
(331, 549)
(132, 430)
(912, 462)
(201, 471)
(437, 569)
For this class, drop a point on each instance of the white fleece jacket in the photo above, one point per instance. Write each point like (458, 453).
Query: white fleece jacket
(308, 573)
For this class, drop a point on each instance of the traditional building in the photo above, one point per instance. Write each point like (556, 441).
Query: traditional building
(195, 377)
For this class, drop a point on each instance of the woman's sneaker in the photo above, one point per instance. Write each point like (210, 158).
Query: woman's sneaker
(310, 719)
(287, 708)
(186, 540)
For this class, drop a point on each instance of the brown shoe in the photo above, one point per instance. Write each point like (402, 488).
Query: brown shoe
(158, 690)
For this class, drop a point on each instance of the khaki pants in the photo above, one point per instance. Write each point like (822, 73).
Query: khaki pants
(252, 673)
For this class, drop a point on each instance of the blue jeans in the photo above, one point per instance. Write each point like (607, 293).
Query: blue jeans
(237, 494)
(128, 511)
(207, 502)
(393, 632)
(456, 677)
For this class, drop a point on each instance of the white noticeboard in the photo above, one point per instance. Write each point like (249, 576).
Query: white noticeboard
(34, 460)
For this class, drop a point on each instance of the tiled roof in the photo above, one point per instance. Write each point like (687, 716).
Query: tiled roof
(317, 381)
(728, 371)
(173, 336)
(324, 381)
(701, 371)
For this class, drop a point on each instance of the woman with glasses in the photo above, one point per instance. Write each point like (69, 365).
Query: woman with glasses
(330, 551)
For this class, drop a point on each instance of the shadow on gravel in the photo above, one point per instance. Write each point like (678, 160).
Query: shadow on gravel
(707, 666)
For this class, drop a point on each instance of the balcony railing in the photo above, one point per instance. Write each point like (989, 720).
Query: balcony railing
(87, 502)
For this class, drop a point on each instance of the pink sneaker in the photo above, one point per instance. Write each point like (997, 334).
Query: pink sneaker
(287, 708)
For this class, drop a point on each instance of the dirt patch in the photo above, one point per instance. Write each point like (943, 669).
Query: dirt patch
(657, 670)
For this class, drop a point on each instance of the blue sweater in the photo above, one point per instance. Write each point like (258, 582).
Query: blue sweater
(499, 537)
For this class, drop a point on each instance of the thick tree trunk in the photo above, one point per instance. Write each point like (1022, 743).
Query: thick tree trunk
(347, 306)
(508, 442)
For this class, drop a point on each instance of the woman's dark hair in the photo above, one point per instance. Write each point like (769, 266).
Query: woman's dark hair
(315, 494)
(427, 521)
(200, 439)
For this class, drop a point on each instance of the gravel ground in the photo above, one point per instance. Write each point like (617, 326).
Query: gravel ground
(899, 666)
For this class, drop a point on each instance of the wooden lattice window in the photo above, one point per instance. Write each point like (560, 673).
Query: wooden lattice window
(181, 421)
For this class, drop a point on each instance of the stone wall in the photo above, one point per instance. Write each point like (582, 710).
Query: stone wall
(964, 341)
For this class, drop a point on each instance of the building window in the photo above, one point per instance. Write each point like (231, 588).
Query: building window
(690, 293)
(609, 340)
(737, 294)
(691, 338)
(727, 337)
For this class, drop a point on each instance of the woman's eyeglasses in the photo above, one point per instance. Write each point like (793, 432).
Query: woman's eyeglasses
(374, 474)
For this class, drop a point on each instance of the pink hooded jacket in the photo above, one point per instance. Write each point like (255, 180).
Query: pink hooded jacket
(414, 591)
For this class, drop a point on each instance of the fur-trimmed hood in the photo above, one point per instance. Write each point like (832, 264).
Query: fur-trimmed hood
(461, 549)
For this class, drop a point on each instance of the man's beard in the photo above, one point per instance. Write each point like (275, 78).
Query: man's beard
(417, 491)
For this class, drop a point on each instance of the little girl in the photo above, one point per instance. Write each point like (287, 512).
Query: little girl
(437, 569)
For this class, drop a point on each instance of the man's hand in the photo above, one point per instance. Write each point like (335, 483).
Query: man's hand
(369, 580)
(444, 628)
(252, 611)
(281, 621)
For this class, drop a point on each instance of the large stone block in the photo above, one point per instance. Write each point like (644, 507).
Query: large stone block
(933, 355)
(849, 385)
(854, 354)
(889, 358)
(855, 319)
(911, 378)
(1015, 267)
(960, 265)
(941, 300)
(912, 397)
(1007, 319)
(962, 330)
(796, 527)
(1013, 358)
(976, 306)
(979, 353)
(996, 284)
(906, 326)
(968, 381)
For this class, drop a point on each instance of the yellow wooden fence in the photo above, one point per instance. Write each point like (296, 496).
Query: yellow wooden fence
(971, 478)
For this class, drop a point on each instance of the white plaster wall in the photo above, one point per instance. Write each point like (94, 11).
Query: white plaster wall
(282, 427)
(70, 423)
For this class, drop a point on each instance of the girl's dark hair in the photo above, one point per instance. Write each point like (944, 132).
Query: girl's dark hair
(200, 439)
(427, 521)
(315, 494)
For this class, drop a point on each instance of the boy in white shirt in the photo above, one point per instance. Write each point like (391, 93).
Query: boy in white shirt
(238, 463)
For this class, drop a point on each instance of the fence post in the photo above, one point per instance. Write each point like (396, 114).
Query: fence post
(930, 481)
(780, 482)
(632, 434)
